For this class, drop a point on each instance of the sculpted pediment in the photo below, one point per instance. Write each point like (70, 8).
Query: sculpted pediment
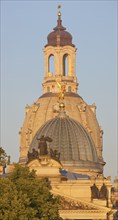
(44, 161)
(70, 204)
(45, 167)
(34, 163)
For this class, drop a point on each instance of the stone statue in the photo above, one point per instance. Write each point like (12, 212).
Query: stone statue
(55, 154)
(82, 107)
(42, 146)
(94, 192)
(103, 192)
(32, 155)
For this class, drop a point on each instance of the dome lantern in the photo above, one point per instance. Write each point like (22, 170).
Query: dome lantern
(59, 59)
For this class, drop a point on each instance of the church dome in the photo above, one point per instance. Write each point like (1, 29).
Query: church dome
(77, 137)
(71, 140)
(46, 108)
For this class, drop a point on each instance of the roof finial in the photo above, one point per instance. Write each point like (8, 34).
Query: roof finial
(59, 13)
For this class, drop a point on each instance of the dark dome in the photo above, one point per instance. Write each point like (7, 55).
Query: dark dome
(59, 37)
(70, 139)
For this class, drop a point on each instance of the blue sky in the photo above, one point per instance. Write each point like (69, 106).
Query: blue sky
(24, 29)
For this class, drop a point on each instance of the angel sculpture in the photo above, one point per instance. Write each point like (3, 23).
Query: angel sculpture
(62, 90)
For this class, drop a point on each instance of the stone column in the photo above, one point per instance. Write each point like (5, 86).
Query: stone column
(110, 217)
(109, 197)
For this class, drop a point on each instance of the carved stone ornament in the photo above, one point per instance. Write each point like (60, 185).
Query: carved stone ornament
(87, 128)
(94, 192)
(73, 205)
(35, 107)
(44, 162)
(27, 108)
(82, 107)
(20, 131)
(101, 132)
(109, 178)
(28, 133)
(42, 152)
(54, 154)
(100, 177)
(103, 192)
(32, 155)
(56, 108)
(93, 177)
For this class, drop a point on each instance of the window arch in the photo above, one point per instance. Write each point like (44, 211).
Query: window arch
(66, 64)
(103, 192)
(69, 89)
(51, 63)
(48, 89)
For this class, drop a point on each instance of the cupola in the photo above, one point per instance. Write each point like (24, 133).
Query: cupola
(59, 37)
(59, 60)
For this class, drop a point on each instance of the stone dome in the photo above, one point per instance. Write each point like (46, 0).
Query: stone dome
(46, 108)
(71, 140)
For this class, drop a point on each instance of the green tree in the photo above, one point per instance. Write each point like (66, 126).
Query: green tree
(3, 156)
(25, 197)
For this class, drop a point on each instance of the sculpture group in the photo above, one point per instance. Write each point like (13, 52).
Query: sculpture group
(99, 194)
(43, 150)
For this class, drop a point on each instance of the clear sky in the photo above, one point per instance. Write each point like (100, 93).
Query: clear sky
(24, 29)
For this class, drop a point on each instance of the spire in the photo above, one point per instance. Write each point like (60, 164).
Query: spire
(59, 21)
(59, 13)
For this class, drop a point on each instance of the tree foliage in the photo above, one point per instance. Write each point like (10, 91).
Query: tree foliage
(25, 197)
(3, 156)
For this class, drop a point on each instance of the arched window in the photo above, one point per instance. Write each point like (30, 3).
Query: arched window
(69, 89)
(51, 64)
(103, 192)
(65, 65)
(94, 192)
(48, 89)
